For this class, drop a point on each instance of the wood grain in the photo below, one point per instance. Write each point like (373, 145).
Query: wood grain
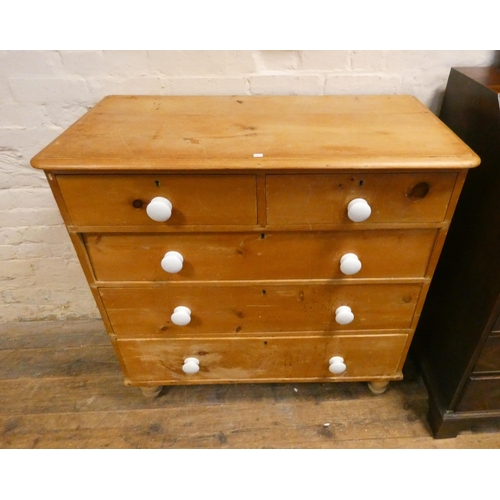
(261, 256)
(270, 308)
(265, 359)
(323, 198)
(165, 132)
(196, 199)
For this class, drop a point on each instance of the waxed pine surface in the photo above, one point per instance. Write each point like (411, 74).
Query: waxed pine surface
(232, 310)
(253, 255)
(224, 132)
(61, 387)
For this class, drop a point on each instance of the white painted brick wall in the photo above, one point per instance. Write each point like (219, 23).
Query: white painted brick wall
(43, 92)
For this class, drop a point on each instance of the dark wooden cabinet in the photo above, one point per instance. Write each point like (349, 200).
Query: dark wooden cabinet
(457, 341)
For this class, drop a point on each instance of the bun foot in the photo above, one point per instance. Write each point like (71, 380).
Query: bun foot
(378, 387)
(151, 392)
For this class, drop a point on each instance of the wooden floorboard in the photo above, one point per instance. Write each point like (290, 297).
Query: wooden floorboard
(61, 387)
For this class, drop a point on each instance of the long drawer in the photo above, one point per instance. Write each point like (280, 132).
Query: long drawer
(262, 358)
(225, 309)
(482, 393)
(489, 359)
(324, 198)
(120, 200)
(260, 256)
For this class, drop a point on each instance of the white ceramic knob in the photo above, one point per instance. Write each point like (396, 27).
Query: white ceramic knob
(159, 209)
(337, 365)
(181, 316)
(344, 315)
(350, 264)
(358, 210)
(191, 365)
(172, 262)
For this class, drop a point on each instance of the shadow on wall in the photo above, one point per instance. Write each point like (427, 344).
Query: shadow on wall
(437, 100)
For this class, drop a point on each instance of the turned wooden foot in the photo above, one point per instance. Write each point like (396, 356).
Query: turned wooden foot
(378, 386)
(151, 392)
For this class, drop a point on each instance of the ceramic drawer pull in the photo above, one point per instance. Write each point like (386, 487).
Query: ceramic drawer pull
(358, 210)
(172, 262)
(350, 264)
(337, 365)
(344, 315)
(181, 316)
(191, 365)
(159, 209)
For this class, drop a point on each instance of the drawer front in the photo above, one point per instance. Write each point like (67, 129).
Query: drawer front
(120, 200)
(481, 394)
(496, 326)
(489, 360)
(226, 309)
(260, 256)
(323, 198)
(262, 358)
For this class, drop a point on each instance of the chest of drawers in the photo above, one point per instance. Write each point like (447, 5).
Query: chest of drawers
(258, 238)
(457, 343)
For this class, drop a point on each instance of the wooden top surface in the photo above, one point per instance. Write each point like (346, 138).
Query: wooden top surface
(198, 132)
(488, 76)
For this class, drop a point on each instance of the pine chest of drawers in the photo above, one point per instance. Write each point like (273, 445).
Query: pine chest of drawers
(257, 238)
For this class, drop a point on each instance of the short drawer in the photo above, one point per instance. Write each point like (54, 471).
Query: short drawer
(324, 198)
(121, 200)
(481, 394)
(260, 256)
(489, 360)
(262, 359)
(225, 309)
